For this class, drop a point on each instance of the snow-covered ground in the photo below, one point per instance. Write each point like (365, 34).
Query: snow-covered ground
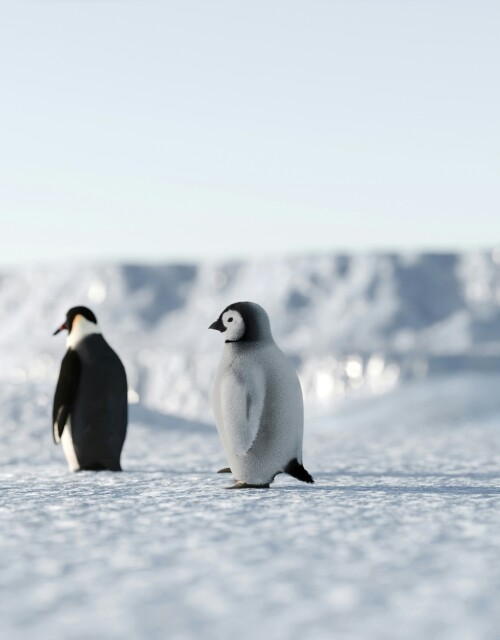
(399, 537)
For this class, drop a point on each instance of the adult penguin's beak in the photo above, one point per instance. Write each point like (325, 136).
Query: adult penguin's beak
(61, 328)
(217, 325)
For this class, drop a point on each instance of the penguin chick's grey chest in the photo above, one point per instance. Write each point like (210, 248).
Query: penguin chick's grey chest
(257, 400)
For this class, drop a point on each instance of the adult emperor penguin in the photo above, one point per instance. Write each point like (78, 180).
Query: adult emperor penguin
(90, 404)
(257, 400)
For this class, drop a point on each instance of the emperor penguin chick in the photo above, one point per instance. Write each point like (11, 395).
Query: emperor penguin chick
(257, 400)
(90, 410)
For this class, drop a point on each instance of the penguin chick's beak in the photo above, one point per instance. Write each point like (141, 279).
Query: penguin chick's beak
(217, 325)
(63, 326)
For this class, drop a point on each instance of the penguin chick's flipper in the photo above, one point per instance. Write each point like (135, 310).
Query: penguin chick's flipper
(224, 470)
(296, 470)
(244, 485)
(66, 389)
(242, 400)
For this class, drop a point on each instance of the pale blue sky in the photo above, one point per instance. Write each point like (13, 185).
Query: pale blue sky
(155, 130)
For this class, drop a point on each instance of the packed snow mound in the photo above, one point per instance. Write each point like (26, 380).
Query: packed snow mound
(352, 323)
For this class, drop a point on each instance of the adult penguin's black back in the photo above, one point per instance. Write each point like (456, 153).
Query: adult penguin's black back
(90, 404)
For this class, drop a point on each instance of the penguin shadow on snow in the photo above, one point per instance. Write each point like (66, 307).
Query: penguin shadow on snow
(156, 420)
(334, 482)
(156, 424)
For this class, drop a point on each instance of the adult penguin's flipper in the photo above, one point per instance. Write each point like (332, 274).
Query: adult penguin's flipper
(67, 385)
(296, 470)
(60, 423)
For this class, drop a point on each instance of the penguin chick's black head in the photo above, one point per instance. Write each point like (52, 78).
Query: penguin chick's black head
(244, 322)
(71, 315)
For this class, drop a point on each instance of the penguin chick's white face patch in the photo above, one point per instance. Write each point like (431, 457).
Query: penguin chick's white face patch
(235, 326)
(80, 329)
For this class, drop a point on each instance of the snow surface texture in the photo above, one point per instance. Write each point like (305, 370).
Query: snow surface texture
(398, 539)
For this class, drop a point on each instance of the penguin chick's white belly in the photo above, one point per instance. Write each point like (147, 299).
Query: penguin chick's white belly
(259, 411)
(68, 448)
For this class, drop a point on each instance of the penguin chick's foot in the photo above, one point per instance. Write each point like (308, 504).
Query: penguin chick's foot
(225, 470)
(244, 485)
(295, 469)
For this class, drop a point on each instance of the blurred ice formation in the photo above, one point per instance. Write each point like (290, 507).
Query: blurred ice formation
(353, 324)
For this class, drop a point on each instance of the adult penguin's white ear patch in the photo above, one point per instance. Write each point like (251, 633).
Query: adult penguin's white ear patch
(80, 329)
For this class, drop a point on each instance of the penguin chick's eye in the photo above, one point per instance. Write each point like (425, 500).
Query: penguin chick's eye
(229, 319)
